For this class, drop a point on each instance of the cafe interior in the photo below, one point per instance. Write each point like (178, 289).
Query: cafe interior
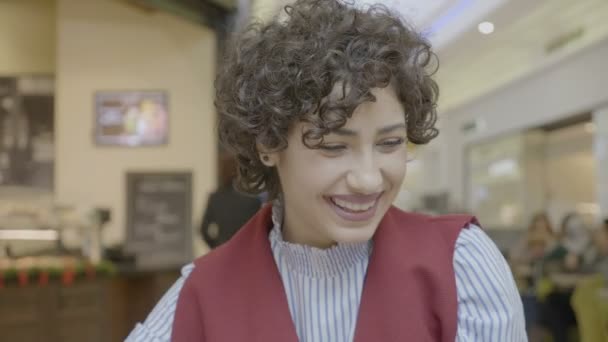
(109, 152)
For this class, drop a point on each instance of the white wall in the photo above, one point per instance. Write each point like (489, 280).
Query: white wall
(573, 86)
(420, 180)
(570, 177)
(27, 37)
(264, 9)
(105, 45)
(600, 151)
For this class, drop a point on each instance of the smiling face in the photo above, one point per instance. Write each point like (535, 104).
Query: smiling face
(340, 192)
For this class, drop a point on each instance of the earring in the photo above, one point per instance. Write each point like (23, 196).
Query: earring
(265, 158)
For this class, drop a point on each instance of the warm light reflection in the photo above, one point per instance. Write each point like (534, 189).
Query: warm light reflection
(28, 234)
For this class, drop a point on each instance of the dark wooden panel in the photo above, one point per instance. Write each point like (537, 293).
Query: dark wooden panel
(80, 299)
(19, 305)
(83, 328)
(97, 311)
(22, 332)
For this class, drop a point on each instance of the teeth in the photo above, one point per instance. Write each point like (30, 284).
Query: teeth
(353, 206)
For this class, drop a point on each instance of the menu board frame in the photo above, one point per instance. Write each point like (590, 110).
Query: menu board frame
(168, 196)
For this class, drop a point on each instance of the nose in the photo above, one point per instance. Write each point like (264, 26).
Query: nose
(365, 176)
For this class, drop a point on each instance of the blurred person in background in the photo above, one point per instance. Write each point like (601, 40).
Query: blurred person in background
(535, 243)
(574, 255)
(601, 244)
(576, 250)
(526, 259)
(601, 238)
(227, 209)
(318, 105)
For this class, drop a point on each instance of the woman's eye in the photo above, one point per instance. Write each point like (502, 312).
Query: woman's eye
(392, 142)
(332, 147)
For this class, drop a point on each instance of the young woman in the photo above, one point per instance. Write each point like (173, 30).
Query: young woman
(318, 106)
(535, 243)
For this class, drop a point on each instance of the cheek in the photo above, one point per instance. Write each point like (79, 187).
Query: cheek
(396, 175)
(306, 172)
(395, 169)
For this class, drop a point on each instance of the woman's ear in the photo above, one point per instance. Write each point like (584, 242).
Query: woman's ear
(270, 159)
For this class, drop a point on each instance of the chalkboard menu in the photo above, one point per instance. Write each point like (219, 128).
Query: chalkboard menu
(159, 218)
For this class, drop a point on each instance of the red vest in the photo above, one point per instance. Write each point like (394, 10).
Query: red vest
(235, 292)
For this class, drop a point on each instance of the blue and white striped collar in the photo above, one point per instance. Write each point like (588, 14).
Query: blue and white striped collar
(312, 261)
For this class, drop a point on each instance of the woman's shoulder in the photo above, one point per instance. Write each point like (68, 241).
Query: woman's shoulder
(476, 256)
(489, 304)
(158, 325)
(452, 220)
(223, 259)
(474, 240)
(430, 228)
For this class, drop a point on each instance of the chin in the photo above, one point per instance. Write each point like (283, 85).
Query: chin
(354, 235)
(349, 232)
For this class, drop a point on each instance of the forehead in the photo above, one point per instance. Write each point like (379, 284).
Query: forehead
(368, 118)
(386, 110)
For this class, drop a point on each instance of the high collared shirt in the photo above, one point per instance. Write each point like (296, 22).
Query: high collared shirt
(324, 289)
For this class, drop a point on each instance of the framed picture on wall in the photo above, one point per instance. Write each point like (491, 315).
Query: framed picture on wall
(27, 133)
(131, 118)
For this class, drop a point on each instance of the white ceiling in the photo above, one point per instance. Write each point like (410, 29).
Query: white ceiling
(441, 20)
(420, 12)
(474, 65)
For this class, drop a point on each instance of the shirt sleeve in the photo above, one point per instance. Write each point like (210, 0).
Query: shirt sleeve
(157, 326)
(489, 304)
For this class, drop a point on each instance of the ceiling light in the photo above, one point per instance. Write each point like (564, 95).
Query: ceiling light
(486, 27)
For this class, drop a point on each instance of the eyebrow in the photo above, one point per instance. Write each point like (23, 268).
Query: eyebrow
(383, 130)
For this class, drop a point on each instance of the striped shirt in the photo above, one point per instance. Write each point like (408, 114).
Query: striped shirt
(324, 289)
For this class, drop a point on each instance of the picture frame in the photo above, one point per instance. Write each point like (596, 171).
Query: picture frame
(131, 118)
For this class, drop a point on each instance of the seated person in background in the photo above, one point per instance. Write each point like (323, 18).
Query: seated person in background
(575, 253)
(576, 249)
(601, 243)
(318, 105)
(227, 209)
(535, 243)
(526, 258)
(602, 239)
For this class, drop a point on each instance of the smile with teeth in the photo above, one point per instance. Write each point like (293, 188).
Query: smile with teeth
(354, 207)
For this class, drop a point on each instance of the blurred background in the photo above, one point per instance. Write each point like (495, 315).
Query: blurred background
(111, 176)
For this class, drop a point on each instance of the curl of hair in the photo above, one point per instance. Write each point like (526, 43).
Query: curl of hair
(285, 71)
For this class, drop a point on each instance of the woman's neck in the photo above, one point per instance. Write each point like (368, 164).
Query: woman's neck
(294, 229)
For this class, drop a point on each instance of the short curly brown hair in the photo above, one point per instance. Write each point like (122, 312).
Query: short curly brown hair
(282, 72)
